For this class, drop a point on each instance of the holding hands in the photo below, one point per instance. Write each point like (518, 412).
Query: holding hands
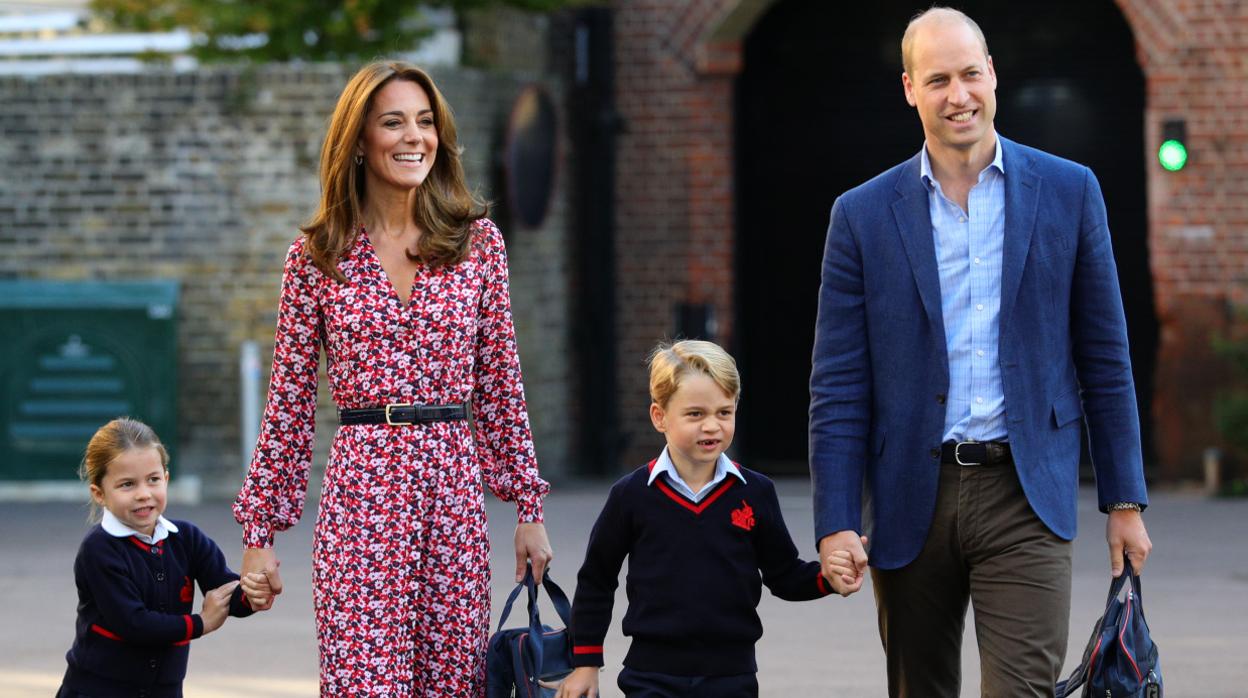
(216, 606)
(843, 556)
(260, 578)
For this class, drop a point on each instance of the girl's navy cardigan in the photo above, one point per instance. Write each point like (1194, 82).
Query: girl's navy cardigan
(135, 603)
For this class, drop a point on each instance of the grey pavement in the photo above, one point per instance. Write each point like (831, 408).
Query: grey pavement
(1196, 593)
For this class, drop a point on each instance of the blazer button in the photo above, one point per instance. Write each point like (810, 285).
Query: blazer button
(940, 399)
(935, 453)
(160, 576)
(152, 663)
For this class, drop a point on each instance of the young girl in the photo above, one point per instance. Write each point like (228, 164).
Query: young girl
(135, 573)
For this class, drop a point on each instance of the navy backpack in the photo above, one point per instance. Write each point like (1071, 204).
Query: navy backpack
(1121, 659)
(530, 662)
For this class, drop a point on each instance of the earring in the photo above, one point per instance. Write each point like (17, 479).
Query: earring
(359, 159)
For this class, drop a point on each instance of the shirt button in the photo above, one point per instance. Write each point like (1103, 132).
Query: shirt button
(980, 352)
(961, 219)
(979, 400)
(980, 306)
(977, 260)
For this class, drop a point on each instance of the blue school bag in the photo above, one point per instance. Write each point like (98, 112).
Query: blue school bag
(1121, 659)
(530, 662)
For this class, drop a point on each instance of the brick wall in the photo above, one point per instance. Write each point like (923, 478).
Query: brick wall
(204, 177)
(674, 210)
(1193, 53)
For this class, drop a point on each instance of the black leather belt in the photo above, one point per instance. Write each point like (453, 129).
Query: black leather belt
(976, 453)
(396, 414)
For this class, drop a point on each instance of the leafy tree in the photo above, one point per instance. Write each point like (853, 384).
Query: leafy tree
(282, 30)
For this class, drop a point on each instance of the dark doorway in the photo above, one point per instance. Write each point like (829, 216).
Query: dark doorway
(820, 109)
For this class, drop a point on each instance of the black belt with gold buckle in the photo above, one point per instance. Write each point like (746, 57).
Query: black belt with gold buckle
(398, 414)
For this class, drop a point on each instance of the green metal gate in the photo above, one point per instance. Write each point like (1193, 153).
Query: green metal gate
(75, 355)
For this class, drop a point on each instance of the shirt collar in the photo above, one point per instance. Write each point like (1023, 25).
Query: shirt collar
(114, 527)
(723, 468)
(925, 165)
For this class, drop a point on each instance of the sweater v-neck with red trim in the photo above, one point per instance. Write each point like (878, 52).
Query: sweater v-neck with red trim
(680, 498)
(693, 579)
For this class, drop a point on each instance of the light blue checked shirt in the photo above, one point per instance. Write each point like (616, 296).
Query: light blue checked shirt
(969, 245)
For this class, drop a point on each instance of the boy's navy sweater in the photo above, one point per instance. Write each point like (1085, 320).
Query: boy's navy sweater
(134, 611)
(693, 574)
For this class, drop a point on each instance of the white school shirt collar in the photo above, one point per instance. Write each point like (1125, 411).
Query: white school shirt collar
(114, 527)
(723, 467)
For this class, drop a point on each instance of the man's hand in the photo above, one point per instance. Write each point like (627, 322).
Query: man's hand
(532, 545)
(850, 572)
(1124, 531)
(261, 561)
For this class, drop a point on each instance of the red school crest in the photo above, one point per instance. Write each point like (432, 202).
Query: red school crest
(743, 517)
(187, 593)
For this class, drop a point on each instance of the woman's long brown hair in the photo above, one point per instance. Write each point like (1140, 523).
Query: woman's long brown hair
(444, 208)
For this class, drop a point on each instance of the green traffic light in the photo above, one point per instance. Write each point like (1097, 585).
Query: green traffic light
(1172, 155)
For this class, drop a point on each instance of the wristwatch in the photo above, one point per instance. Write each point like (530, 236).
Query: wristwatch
(1124, 506)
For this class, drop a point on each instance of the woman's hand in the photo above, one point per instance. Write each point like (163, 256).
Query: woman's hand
(532, 545)
(261, 561)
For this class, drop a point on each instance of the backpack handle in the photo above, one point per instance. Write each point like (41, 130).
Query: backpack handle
(558, 599)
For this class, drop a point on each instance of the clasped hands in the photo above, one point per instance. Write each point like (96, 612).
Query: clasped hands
(259, 578)
(843, 561)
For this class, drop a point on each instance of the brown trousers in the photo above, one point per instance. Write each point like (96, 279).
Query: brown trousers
(988, 547)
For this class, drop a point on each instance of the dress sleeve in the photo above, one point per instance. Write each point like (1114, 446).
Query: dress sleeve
(274, 490)
(504, 440)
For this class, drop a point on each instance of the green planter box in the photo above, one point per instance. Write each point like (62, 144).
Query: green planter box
(75, 355)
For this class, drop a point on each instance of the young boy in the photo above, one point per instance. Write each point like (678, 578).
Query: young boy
(697, 530)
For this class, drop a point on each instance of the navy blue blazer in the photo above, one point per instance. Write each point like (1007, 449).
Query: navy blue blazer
(880, 370)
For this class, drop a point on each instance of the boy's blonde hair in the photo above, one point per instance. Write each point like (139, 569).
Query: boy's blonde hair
(669, 363)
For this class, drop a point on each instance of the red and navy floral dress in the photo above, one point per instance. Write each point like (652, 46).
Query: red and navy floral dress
(401, 555)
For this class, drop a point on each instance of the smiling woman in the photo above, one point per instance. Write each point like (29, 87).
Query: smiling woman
(403, 281)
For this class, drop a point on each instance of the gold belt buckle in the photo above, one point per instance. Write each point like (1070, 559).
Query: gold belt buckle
(393, 423)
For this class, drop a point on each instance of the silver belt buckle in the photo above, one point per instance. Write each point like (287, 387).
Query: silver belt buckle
(957, 457)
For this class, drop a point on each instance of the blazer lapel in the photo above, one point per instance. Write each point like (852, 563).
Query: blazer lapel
(1022, 198)
(914, 224)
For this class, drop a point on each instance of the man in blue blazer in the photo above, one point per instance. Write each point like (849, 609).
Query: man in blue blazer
(969, 320)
